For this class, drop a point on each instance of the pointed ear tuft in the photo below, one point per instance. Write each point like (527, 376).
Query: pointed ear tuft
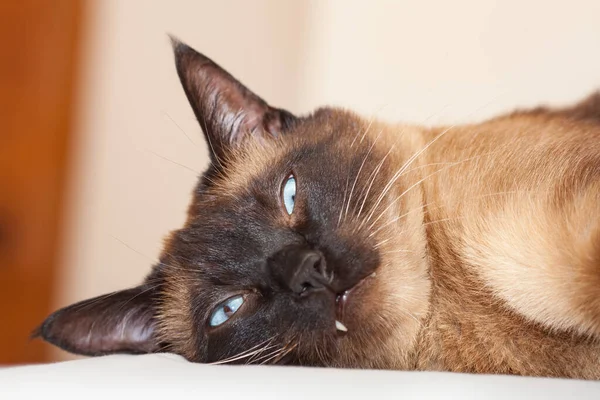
(228, 112)
(174, 41)
(119, 322)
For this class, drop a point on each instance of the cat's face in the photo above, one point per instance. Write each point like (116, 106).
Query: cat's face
(304, 244)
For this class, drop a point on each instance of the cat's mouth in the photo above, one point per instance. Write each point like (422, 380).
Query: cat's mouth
(342, 300)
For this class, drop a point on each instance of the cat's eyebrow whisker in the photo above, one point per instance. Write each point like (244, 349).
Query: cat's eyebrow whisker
(373, 233)
(364, 132)
(398, 198)
(394, 202)
(427, 165)
(381, 243)
(402, 170)
(395, 177)
(421, 207)
(180, 128)
(151, 259)
(374, 174)
(448, 165)
(371, 120)
(359, 171)
(131, 248)
(397, 251)
(172, 267)
(174, 162)
(443, 220)
(501, 193)
(214, 183)
(344, 200)
(452, 163)
(183, 258)
(349, 169)
(401, 174)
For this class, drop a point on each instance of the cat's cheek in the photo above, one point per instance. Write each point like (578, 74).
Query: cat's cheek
(360, 306)
(384, 316)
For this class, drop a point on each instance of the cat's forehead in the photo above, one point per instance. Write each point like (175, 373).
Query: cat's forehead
(322, 135)
(255, 160)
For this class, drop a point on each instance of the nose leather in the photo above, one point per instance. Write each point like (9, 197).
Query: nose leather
(299, 269)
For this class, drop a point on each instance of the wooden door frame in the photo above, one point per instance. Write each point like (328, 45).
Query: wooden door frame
(38, 74)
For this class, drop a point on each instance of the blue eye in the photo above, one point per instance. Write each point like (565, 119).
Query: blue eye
(289, 194)
(225, 310)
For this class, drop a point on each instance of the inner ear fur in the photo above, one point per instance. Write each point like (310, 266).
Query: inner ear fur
(228, 112)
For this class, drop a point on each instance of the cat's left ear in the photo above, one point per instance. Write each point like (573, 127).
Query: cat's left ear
(228, 112)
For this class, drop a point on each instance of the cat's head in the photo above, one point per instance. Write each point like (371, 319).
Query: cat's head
(304, 244)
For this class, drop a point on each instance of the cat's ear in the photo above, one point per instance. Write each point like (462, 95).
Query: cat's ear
(119, 322)
(228, 112)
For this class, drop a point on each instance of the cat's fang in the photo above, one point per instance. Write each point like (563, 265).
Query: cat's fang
(340, 327)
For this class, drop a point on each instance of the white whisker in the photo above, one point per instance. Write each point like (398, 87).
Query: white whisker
(397, 251)
(374, 175)
(402, 169)
(180, 128)
(378, 245)
(365, 132)
(344, 200)
(247, 353)
(359, 171)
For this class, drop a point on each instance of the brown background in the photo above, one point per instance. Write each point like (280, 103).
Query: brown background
(38, 41)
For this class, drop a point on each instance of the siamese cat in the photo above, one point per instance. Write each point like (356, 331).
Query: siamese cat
(334, 240)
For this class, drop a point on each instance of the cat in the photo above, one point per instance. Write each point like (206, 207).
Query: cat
(335, 240)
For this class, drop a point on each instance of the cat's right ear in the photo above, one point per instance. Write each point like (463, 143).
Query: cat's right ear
(119, 322)
(228, 112)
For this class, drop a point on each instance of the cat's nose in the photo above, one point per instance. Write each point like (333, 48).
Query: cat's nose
(300, 269)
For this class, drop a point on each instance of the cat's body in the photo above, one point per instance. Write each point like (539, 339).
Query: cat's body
(465, 248)
(515, 260)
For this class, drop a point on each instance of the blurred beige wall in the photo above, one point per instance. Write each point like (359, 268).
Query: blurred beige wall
(431, 61)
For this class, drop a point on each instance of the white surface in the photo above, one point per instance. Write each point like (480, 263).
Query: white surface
(167, 377)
